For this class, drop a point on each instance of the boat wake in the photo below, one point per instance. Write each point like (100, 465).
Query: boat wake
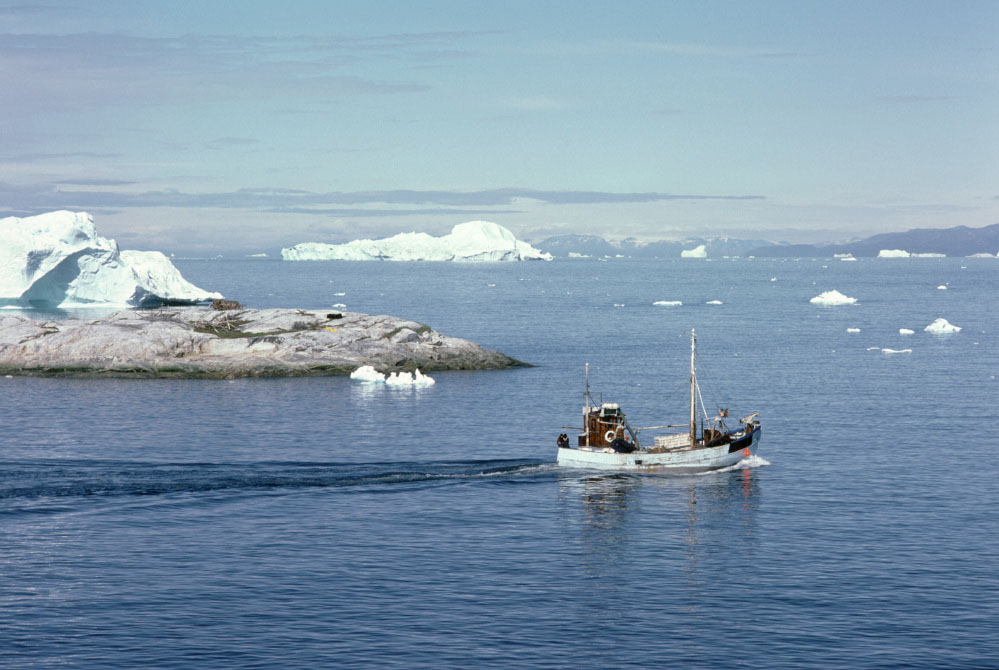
(39, 484)
(754, 461)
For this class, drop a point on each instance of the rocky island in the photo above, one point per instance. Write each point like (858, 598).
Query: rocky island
(202, 342)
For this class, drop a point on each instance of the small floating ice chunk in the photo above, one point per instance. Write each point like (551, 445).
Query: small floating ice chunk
(340, 294)
(668, 303)
(713, 302)
(896, 351)
(941, 326)
(773, 279)
(367, 373)
(941, 288)
(853, 330)
(905, 331)
(340, 305)
(832, 298)
(416, 378)
(619, 304)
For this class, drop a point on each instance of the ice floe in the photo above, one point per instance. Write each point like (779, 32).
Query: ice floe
(668, 303)
(941, 288)
(699, 251)
(369, 375)
(713, 302)
(853, 330)
(942, 327)
(832, 298)
(58, 259)
(471, 241)
(896, 351)
(905, 331)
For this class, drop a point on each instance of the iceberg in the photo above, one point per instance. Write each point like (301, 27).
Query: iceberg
(905, 331)
(369, 375)
(471, 241)
(942, 327)
(713, 302)
(896, 351)
(700, 251)
(941, 288)
(668, 303)
(853, 330)
(832, 298)
(58, 259)
(893, 253)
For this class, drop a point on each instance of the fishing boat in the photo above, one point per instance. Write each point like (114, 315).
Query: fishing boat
(608, 441)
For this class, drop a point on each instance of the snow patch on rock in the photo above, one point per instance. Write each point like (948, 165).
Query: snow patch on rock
(471, 241)
(59, 260)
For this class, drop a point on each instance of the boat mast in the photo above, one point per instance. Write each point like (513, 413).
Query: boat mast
(693, 382)
(586, 407)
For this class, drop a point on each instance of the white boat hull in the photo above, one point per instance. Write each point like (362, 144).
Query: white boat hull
(682, 460)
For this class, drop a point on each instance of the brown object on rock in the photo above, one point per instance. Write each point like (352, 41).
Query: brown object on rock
(222, 305)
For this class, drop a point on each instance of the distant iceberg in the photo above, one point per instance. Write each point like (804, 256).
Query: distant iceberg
(906, 331)
(713, 302)
(668, 303)
(929, 255)
(472, 241)
(700, 251)
(942, 287)
(983, 255)
(893, 253)
(941, 327)
(896, 351)
(58, 259)
(853, 330)
(832, 298)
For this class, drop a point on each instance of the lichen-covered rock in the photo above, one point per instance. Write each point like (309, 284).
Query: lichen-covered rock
(203, 342)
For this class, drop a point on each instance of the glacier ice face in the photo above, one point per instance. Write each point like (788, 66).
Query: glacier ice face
(832, 298)
(471, 241)
(58, 259)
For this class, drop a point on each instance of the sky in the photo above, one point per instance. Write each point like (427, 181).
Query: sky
(244, 127)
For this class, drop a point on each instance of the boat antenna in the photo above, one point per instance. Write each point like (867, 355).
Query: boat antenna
(693, 384)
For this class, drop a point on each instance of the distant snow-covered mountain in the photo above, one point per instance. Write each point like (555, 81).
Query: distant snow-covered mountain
(566, 246)
(957, 241)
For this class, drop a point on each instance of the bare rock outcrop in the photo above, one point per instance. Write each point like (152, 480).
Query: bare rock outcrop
(204, 342)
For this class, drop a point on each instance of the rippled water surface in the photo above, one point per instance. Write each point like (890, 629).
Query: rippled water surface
(323, 523)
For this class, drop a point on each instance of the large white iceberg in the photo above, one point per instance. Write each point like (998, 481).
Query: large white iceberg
(832, 298)
(700, 251)
(941, 326)
(893, 253)
(472, 241)
(58, 259)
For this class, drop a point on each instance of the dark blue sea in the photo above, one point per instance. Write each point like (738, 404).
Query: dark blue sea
(324, 523)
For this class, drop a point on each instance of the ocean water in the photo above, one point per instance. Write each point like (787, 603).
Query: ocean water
(325, 523)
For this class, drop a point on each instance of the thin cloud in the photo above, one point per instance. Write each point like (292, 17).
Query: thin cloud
(917, 99)
(46, 197)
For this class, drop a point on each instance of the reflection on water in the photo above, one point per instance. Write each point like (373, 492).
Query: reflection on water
(691, 519)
